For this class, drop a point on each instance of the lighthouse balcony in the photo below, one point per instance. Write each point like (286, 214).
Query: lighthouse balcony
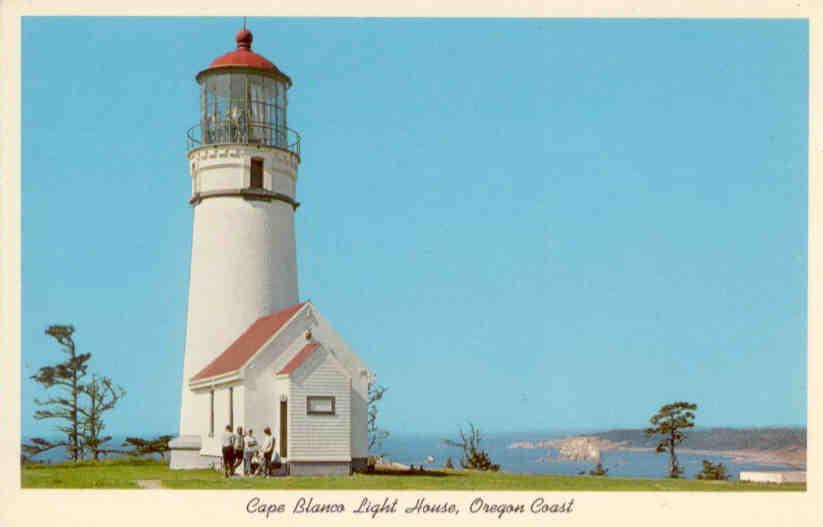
(230, 131)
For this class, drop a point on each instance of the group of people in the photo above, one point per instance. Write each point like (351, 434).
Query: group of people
(244, 448)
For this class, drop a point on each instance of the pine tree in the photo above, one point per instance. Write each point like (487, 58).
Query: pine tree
(64, 406)
(102, 396)
(140, 447)
(669, 422)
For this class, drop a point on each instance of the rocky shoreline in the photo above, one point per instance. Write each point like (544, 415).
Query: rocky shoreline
(590, 448)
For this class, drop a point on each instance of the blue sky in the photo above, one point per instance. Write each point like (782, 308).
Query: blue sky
(530, 224)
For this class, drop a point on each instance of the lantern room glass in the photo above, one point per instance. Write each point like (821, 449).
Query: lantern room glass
(244, 108)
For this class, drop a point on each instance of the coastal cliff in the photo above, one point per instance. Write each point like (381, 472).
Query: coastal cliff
(780, 446)
(573, 448)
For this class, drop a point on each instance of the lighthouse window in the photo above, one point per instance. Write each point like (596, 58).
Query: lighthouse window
(256, 180)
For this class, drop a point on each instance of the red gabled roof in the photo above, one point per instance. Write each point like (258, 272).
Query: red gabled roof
(300, 358)
(247, 344)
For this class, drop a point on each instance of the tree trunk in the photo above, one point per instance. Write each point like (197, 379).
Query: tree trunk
(75, 454)
(672, 458)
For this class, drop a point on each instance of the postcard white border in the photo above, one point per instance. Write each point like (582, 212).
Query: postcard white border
(26, 507)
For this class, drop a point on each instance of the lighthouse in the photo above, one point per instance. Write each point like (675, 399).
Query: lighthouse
(245, 324)
(243, 165)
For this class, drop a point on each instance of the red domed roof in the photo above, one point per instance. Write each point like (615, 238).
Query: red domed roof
(243, 56)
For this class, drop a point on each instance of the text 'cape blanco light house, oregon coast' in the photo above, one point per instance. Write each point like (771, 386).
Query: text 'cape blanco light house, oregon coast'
(255, 356)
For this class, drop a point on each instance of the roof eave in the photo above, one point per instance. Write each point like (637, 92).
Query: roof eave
(274, 73)
(281, 329)
(223, 378)
(241, 370)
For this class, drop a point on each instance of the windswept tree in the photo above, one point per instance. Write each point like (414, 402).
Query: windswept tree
(102, 397)
(474, 457)
(142, 447)
(669, 422)
(376, 434)
(65, 378)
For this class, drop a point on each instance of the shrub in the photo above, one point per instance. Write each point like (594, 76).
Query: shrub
(713, 471)
(474, 457)
(598, 470)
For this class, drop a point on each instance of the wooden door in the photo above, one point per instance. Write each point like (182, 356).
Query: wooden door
(284, 419)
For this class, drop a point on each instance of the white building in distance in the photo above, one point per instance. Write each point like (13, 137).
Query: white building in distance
(255, 356)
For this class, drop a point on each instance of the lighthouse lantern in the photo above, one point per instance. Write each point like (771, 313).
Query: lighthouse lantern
(243, 100)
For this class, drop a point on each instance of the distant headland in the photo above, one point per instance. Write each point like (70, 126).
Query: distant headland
(769, 446)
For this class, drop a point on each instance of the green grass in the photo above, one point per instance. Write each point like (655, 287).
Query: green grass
(124, 473)
(109, 474)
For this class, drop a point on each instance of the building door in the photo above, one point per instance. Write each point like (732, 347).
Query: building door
(284, 419)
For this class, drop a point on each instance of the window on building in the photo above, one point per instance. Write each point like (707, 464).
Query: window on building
(231, 407)
(256, 179)
(319, 405)
(211, 413)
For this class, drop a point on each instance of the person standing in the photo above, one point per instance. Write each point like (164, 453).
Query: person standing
(250, 447)
(238, 449)
(266, 451)
(227, 441)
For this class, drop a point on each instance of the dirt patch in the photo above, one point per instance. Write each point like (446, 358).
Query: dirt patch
(149, 484)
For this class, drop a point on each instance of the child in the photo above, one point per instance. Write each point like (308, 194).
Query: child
(250, 447)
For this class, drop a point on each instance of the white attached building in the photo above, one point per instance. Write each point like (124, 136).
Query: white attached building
(254, 356)
(292, 372)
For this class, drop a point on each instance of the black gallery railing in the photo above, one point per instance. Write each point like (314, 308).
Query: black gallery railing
(232, 131)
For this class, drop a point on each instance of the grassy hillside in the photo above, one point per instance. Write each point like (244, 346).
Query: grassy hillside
(719, 438)
(125, 473)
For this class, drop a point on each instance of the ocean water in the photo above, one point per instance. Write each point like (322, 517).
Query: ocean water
(415, 449)
(647, 465)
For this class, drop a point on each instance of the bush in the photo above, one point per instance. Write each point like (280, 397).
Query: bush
(713, 471)
(479, 460)
(474, 457)
(598, 470)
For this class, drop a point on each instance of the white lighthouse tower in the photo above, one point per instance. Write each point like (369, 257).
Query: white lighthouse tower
(255, 356)
(243, 162)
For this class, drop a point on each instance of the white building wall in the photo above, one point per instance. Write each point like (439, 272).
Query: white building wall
(260, 381)
(210, 444)
(221, 410)
(239, 405)
(325, 333)
(211, 439)
(359, 428)
(319, 437)
(243, 263)
(201, 413)
(232, 170)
